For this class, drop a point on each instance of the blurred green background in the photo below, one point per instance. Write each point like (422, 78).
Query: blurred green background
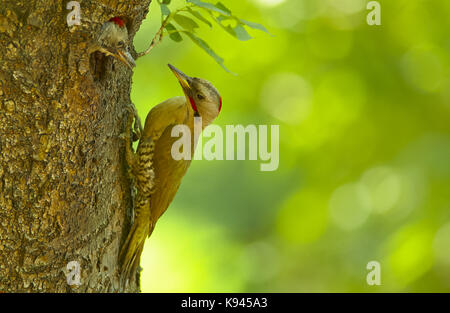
(364, 169)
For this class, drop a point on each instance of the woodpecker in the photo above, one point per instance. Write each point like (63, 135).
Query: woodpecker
(157, 174)
(113, 40)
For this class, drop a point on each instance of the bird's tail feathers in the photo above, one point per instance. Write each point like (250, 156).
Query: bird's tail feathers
(131, 251)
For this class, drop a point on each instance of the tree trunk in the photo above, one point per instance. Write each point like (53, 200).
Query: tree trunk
(65, 195)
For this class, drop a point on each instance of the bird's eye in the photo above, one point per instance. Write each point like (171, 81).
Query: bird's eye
(200, 97)
(121, 43)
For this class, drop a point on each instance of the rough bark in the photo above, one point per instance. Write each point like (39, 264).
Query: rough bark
(64, 191)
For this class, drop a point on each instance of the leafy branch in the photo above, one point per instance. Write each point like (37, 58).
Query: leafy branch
(186, 20)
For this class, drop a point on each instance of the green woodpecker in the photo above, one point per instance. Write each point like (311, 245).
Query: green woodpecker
(113, 40)
(157, 174)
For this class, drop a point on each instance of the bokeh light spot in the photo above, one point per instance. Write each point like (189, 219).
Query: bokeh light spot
(411, 253)
(423, 69)
(350, 206)
(269, 3)
(289, 14)
(384, 186)
(348, 6)
(287, 97)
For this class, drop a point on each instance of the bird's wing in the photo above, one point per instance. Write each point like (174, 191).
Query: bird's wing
(168, 173)
(151, 150)
(169, 112)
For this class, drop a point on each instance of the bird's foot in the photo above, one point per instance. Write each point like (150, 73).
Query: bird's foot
(129, 135)
(137, 127)
(134, 132)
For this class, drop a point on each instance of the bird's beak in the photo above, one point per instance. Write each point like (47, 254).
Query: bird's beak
(125, 57)
(183, 79)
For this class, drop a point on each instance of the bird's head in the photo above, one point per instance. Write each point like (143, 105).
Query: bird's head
(113, 40)
(203, 97)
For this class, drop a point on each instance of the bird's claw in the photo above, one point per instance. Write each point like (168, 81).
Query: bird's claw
(131, 133)
(133, 116)
(137, 128)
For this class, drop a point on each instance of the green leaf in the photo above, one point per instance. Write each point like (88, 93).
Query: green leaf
(165, 2)
(222, 7)
(241, 33)
(173, 33)
(208, 6)
(165, 11)
(202, 44)
(221, 18)
(227, 28)
(255, 26)
(185, 22)
(200, 17)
